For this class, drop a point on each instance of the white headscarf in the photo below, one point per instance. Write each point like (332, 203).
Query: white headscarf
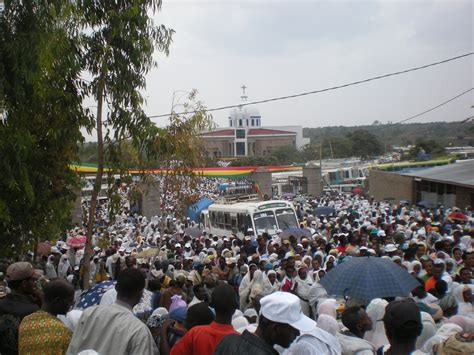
(304, 286)
(64, 266)
(268, 286)
(429, 330)
(376, 311)
(257, 284)
(464, 308)
(328, 323)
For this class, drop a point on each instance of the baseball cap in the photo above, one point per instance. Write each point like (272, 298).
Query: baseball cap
(22, 271)
(284, 307)
(403, 316)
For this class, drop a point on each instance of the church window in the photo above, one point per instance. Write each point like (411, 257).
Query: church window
(240, 122)
(253, 121)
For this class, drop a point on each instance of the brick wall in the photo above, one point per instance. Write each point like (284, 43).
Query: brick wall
(383, 184)
(464, 196)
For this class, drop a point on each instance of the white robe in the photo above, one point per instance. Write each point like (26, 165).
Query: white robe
(112, 329)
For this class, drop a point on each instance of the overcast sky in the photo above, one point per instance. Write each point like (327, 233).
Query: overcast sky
(277, 48)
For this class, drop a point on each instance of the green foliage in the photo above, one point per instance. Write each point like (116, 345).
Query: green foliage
(398, 134)
(41, 95)
(429, 146)
(364, 144)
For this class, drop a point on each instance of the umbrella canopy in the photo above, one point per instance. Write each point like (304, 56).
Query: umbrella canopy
(93, 295)
(193, 232)
(299, 199)
(458, 215)
(44, 248)
(367, 278)
(357, 190)
(298, 233)
(77, 241)
(426, 204)
(324, 211)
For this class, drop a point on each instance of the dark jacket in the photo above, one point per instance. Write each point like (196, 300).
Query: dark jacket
(246, 343)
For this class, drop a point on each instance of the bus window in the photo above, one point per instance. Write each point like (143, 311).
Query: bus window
(286, 218)
(227, 221)
(220, 220)
(265, 222)
(233, 224)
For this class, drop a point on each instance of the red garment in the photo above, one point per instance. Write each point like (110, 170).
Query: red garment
(286, 284)
(341, 248)
(430, 283)
(202, 339)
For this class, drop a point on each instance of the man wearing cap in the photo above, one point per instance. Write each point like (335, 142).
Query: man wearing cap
(402, 321)
(280, 322)
(21, 278)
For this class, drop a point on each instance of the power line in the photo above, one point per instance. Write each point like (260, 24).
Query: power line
(323, 90)
(435, 107)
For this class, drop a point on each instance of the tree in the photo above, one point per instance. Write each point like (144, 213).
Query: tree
(118, 42)
(364, 144)
(287, 154)
(41, 97)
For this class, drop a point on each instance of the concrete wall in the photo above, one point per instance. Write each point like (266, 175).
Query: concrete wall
(312, 173)
(150, 205)
(263, 178)
(384, 184)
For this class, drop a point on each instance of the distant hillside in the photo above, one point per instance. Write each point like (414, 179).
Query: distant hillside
(402, 134)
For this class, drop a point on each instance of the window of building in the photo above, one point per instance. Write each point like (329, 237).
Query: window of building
(240, 133)
(230, 123)
(240, 148)
(252, 122)
(240, 122)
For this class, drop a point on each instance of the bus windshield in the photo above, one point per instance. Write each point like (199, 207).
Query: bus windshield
(286, 218)
(265, 222)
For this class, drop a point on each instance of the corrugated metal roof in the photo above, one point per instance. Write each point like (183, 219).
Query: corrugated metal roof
(460, 173)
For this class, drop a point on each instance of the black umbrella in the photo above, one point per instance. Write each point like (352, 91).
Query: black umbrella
(426, 204)
(367, 278)
(324, 211)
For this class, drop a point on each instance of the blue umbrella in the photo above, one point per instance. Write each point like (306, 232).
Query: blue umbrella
(367, 278)
(426, 204)
(324, 211)
(93, 295)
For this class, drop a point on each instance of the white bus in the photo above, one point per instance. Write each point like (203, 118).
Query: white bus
(260, 216)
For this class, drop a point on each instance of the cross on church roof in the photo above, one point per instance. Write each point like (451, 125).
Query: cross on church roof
(243, 87)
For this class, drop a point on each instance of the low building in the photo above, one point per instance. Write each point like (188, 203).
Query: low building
(246, 136)
(450, 185)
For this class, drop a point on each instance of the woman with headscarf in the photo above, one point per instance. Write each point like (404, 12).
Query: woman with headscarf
(257, 285)
(376, 311)
(429, 330)
(465, 242)
(463, 295)
(271, 283)
(414, 268)
(50, 269)
(64, 267)
(329, 263)
(245, 287)
(303, 284)
(443, 333)
(328, 307)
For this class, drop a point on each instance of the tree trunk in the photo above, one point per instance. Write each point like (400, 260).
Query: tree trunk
(95, 191)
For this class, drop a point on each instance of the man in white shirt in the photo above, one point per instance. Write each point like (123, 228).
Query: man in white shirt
(200, 295)
(113, 329)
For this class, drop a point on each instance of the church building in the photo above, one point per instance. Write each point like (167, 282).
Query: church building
(245, 135)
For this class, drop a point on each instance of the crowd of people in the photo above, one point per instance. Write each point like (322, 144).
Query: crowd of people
(157, 289)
